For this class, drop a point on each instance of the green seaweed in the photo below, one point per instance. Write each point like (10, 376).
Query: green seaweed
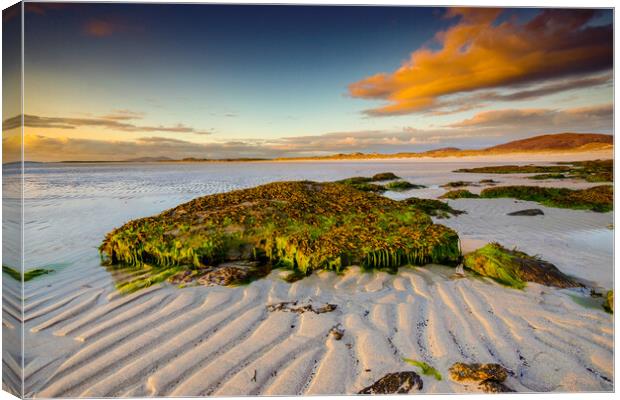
(608, 305)
(516, 169)
(432, 207)
(457, 184)
(385, 176)
(590, 171)
(426, 369)
(302, 226)
(28, 275)
(514, 268)
(547, 176)
(355, 180)
(598, 198)
(459, 194)
(369, 187)
(496, 262)
(402, 185)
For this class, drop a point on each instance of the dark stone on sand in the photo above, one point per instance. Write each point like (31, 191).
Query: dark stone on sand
(395, 383)
(492, 386)
(530, 212)
(337, 332)
(291, 306)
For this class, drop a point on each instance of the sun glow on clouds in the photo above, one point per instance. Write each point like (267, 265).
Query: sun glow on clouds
(479, 53)
(458, 87)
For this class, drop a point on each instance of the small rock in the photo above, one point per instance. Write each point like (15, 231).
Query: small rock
(491, 386)
(337, 332)
(530, 212)
(224, 276)
(461, 372)
(395, 383)
(290, 306)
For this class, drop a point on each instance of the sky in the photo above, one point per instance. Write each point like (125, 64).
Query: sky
(119, 81)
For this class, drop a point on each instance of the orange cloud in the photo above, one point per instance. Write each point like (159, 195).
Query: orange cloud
(479, 53)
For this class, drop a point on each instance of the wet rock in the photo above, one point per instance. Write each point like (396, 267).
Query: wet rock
(395, 383)
(291, 306)
(530, 212)
(514, 268)
(461, 372)
(491, 386)
(188, 276)
(223, 276)
(228, 274)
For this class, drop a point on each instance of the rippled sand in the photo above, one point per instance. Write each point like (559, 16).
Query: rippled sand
(83, 339)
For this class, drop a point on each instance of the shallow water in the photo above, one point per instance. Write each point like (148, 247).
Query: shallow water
(70, 207)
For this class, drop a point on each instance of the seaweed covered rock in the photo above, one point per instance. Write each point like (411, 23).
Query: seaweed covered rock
(462, 372)
(395, 383)
(300, 225)
(459, 194)
(402, 185)
(363, 183)
(458, 184)
(432, 207)
(492, 386)
(598, 198)
(385, 176)
(489, 377)
(514, 268)
(590, 171)
(608, 305)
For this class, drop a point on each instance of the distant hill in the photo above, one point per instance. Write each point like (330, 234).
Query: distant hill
(558, 141)
(442, 150)
(149, 159)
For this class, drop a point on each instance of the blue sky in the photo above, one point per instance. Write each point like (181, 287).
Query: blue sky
(209, 80)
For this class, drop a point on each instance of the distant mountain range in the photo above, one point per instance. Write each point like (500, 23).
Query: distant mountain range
(559, 141)
(553, 143)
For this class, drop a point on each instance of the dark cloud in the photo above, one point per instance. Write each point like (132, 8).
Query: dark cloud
(598, 117)
(460, 103)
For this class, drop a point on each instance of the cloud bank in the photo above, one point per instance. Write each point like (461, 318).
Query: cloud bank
(117, 120)
(482, 130)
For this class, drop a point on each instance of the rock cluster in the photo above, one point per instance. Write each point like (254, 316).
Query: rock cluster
(395, 383)
(489, 377)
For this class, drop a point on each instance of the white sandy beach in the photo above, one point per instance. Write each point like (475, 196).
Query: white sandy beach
(83, 339)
